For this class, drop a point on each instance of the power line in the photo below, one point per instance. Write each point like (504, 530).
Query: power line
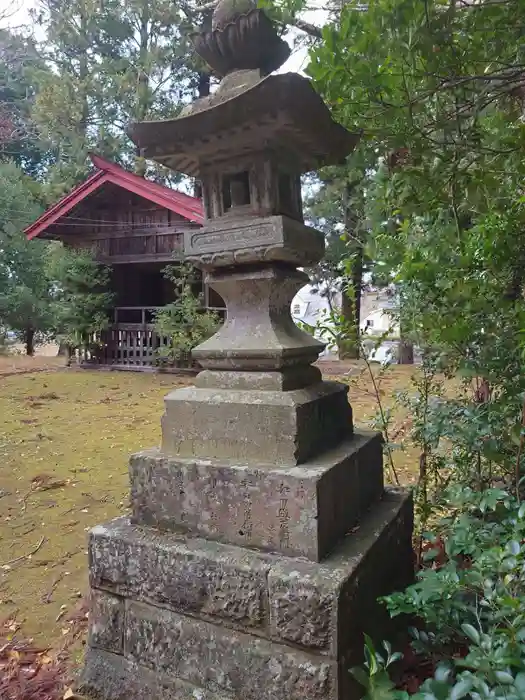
(92, 223)
(110, 223)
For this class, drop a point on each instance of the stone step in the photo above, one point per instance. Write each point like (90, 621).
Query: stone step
(287, 600)
(248, 425)
(107, 675)
(224, 661)
(295, 510)
(248, 624)
(172, 656)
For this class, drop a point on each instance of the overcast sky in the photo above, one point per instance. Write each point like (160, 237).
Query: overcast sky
(15, 13)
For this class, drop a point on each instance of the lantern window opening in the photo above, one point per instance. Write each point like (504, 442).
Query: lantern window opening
(235, 190)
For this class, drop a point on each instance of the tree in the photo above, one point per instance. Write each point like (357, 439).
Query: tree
(184, 321)
(81, 300)
(19, 140)
(113, 63)
(444, 108)
(336, 207)
(154, 75)
(66, 108)
(24, 289)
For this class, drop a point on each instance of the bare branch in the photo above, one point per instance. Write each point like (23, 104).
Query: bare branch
(10, 11)
(310, 29)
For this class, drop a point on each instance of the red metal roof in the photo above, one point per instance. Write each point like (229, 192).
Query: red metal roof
(178, 202)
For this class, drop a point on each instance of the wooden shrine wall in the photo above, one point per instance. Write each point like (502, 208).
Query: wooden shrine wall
(123, 228)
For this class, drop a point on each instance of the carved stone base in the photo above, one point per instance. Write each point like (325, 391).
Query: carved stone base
(260, 426)
(179, 618)
(298, 511)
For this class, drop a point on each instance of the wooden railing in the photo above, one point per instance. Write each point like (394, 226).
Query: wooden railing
(144, 315)
(131, 345)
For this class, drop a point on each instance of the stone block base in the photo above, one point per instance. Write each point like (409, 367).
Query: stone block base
(262, 426)
(297, 511)
(114, 677)
(177, 618)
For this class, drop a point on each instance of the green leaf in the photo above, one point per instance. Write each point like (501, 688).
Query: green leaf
(442, 673)
(519, 682)
(461, 688)
(471, 632)
(513, 547)
(361, 676)
(504, 677)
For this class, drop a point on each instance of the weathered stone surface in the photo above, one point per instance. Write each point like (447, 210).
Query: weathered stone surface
(227, 11)
(258, 332)
(269, 427)
(106, 621)
(327, 606)
(280, 109)
(270, 239)
(287, 379)
(189, 576)
(303, 606)
(290, 600)
(220, 660)
(110, 677)
(249, 41)
(298, 511)
(320, 608)
(370, 470)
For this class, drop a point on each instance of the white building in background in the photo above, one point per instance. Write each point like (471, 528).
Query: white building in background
(312, 306)
(377, 322)
(380, 318)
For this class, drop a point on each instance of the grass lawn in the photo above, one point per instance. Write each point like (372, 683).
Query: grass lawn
(65, 438)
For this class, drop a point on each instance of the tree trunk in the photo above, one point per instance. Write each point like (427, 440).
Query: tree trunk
(65, 350)
(203, 88)
(405, 352)
(204, 76)
(203, 84)
(30, 342)
(143, 85)
(83, 74)
(351, 299)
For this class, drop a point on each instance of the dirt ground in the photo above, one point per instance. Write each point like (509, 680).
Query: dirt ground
(65, 438)
(18, 363)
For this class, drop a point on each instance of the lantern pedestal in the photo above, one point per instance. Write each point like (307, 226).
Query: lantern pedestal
(261, 534)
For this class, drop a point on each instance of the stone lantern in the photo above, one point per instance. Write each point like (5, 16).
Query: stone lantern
(261, 532)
